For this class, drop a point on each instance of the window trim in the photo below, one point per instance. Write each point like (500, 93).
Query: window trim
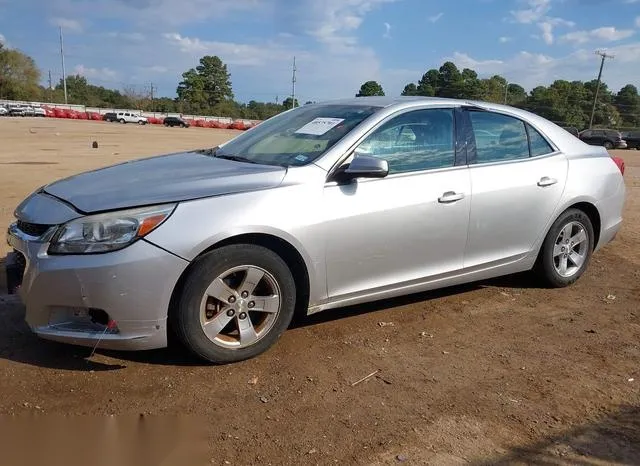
(472, 155)
(459, 160)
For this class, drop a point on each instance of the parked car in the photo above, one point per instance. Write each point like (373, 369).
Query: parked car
(573, 130)
(131, 117)
(39, 112)
(110, 117)
(175, 121)
(323, 206)
(632, 138)
(17, 111)
(608, 138)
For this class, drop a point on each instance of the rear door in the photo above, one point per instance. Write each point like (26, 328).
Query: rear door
(517, 180)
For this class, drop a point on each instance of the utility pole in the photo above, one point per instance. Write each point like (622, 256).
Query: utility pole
(293, 84)
(50, 86)
(151, 84)
(64, 76)
(603, 56)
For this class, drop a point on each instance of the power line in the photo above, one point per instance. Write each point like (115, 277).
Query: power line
(604, 56)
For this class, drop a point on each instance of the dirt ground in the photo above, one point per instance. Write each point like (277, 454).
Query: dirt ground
(499, 372)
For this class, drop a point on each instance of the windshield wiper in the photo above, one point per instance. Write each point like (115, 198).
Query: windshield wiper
(235, 158)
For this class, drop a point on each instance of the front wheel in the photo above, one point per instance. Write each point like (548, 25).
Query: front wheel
(567, 249)
(235, 304)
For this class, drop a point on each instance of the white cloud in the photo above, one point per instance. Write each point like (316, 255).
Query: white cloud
(536, 10)
(233, 53)
(102, 74)
(436, 18)
(547, 32)
(67, 24)
(603, 34)
(127, 36)
(3, 40)
(387, 31)
(333, 23)
(504, 39)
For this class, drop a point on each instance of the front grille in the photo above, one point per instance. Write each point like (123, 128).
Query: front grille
(32, 229)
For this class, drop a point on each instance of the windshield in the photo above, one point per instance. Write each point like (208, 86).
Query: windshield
(296, 137)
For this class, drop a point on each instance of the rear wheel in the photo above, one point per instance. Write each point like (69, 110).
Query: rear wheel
(567, 249)
(608, 145)
(235, 304)
(122, 121)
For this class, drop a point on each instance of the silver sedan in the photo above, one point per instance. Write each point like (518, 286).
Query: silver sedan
(322, 206)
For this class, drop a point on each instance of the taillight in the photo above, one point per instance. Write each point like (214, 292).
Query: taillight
(620, 163)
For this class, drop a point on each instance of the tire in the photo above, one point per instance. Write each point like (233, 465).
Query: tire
(195, 307)
(182, 125)
(552, 256)
(122, 121)
(141, 123)
(608, 145)
(166, 125)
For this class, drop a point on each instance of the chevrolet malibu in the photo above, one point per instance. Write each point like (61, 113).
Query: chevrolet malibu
(322, 206)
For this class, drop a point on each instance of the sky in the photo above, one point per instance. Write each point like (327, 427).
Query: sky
(338, 44)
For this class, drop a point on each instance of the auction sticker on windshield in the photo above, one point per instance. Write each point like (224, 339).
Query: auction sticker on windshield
(319, 126)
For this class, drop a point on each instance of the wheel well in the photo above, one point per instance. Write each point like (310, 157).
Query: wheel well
(284, 249)
(594, 216)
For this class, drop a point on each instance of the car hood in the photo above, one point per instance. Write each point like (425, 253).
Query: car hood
(167, 178)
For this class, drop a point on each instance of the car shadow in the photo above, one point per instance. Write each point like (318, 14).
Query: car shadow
(17, 342)
(613, 439)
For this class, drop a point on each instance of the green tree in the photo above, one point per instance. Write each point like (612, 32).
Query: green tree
(287, 103)
(410, 89)
(370, 88)
(19, 75)
(428, 84)
(450, 81)
(627, 102)
(205, 86)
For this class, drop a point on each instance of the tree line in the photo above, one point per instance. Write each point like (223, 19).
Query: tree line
(204, 90)
(569, 103)
(207, 90)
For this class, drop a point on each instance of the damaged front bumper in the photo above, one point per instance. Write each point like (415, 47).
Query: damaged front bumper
(118, 300)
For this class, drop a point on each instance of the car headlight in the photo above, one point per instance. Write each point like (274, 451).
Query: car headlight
(107, 232)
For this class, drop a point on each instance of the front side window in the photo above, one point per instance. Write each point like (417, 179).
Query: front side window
(414, 141)
(498, 137)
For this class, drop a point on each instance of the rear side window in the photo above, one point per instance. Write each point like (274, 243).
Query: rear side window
(538, 144)
(498, 137)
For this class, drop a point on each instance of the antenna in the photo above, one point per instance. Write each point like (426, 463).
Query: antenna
(293, 84)
(604, 56)
(64, 76)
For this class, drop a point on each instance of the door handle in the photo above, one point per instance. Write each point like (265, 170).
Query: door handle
(546, 181)
(450, 196)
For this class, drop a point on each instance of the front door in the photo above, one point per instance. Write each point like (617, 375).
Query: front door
(517, 181)
(409, 226)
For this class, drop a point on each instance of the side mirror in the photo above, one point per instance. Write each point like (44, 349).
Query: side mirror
(364, 166)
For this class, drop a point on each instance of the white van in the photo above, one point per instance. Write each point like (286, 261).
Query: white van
(130, 117)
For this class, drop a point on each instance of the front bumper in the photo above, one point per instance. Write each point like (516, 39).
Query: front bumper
(63, 294)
